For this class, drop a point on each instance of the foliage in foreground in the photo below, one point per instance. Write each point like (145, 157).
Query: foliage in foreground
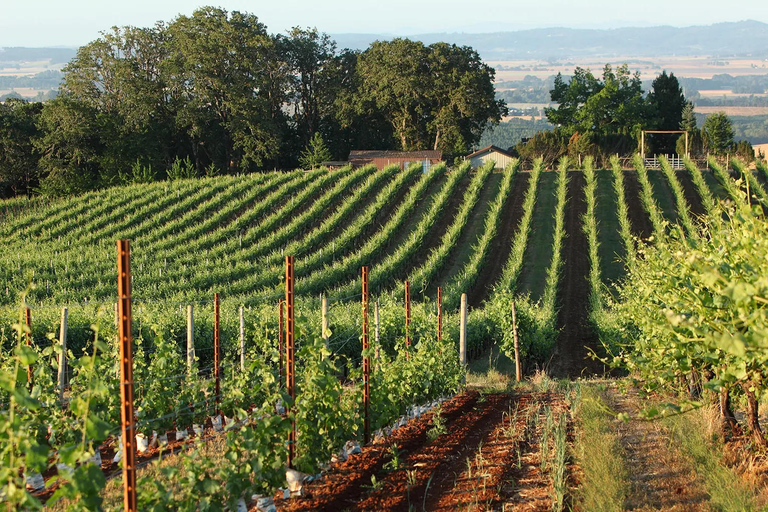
(700, 313)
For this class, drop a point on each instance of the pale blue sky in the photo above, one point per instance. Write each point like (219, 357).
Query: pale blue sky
(76, 22)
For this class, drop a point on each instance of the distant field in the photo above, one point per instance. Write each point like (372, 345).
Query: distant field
(694, 67)
(734, 111)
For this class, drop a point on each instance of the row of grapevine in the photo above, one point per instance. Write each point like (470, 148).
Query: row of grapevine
(683, 209)
(172, 396)
(693, 315)
(468, 274)
(647, 197)
(422, 276)
(514, 263)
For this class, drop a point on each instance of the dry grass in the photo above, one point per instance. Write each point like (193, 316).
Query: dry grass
(734, 111)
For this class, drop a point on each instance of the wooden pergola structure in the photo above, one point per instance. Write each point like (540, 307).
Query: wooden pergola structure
(642, 138)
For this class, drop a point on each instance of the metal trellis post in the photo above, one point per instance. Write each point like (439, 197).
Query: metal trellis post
(126, 374)
(366, 362)
(290, 374)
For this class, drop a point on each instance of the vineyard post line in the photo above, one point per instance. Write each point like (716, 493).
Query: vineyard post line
(280, 334)
(517, 345)
(376, 331)
(324, 320)
(407, 316)
(242, 339)
(439, 313)
(128, 422)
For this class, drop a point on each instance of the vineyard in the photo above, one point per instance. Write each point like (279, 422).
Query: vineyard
(626, 264)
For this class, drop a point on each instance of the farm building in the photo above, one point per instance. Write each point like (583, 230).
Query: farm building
(498, 155)
(402, 158)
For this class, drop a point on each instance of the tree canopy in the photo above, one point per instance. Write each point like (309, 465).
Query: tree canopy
(217, 90)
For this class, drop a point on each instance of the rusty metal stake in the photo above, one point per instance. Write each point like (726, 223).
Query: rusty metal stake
(28, 321)
(217, 356)
(128, 426)
(407, 314)
(280, 334)
(366, 362)
(439, 313)
(290, 373)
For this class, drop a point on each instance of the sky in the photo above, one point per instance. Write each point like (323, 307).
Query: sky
(37, 23)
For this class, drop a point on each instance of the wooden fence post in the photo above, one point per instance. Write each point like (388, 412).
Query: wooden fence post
(439, 313)
(63, 354)
(190, 338)
(376, 331)
(324, 321)
(290, 354)
(517, 346)
(126, 374)
(28, 321)
(242, 339)
(463, 330)
(280, 334)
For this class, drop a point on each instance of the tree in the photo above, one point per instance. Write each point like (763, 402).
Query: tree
(315, 153)
(688, 123)
(120, 77)
(19, 172)
(309, 55)
(69, 145)
(717, 133)
(608, 114)
(218, 68)
(666, 102)
(439, 96)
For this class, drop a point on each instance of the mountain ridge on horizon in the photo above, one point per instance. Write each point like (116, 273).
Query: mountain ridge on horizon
(724, 39)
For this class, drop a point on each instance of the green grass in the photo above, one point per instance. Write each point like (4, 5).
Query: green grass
(611, 248)
(727, 491)
(539, 252)
(663, 195)
(605, 484)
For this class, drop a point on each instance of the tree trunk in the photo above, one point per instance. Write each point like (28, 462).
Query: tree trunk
(753, 422)
(728, 420)
(694, 385)
(437, 139)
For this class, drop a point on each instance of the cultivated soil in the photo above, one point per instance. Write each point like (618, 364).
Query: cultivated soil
(488, 459)
(638, 218)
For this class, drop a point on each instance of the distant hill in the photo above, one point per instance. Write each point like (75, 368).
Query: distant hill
(20, 55)
(720, 40)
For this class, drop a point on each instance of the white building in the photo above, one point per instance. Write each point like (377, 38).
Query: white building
(498, 155)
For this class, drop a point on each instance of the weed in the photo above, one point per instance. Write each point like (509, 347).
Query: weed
(394, 463)
(438, 425)
(376, 485)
